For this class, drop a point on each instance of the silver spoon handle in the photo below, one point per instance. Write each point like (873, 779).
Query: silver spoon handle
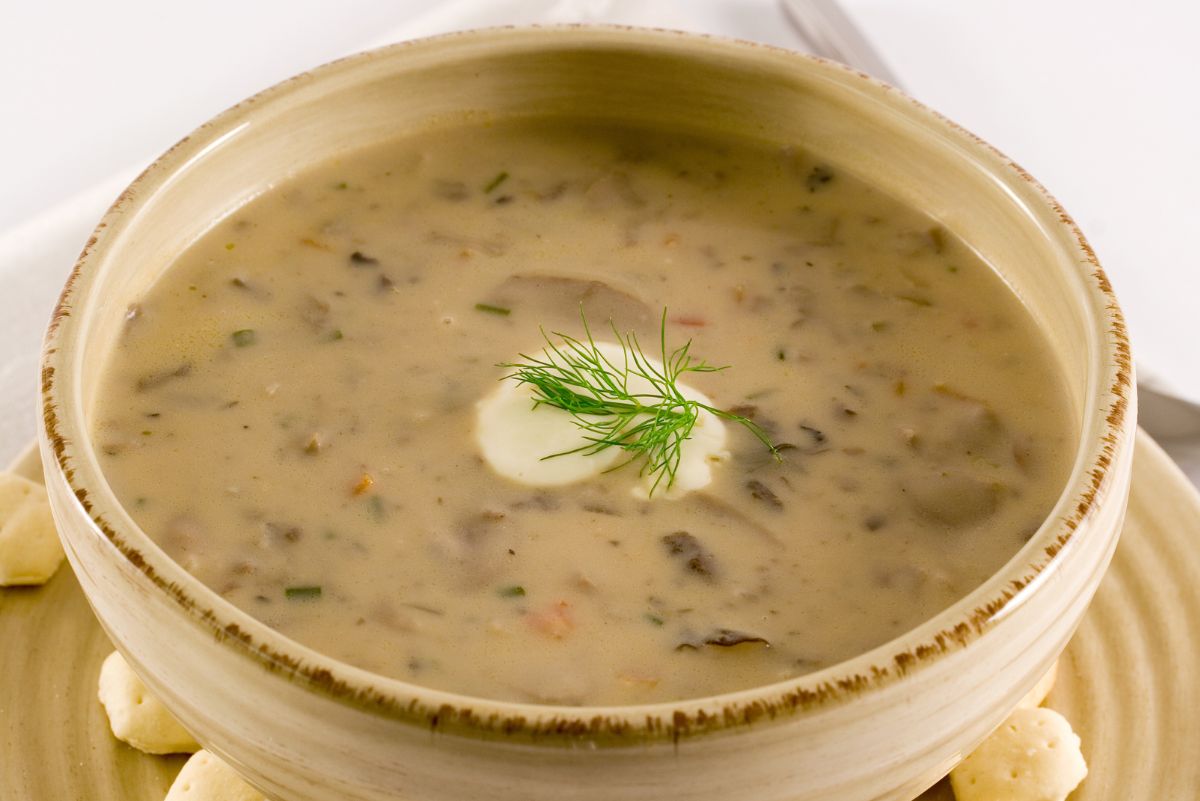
(833, 34)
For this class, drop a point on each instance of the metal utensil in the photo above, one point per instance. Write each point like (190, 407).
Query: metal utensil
(831, 33)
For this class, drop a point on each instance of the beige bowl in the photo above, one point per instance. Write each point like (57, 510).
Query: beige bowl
(884, 725)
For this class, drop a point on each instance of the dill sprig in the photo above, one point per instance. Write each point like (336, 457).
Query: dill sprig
(576, 376)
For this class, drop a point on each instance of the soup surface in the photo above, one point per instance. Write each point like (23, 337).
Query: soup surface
(292, 413)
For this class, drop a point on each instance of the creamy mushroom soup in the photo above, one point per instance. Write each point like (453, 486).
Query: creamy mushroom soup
(327, 411)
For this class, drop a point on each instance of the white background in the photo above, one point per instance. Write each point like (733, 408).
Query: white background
(1098, 99)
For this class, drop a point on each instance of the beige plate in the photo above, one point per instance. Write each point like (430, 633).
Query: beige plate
(1128, 682)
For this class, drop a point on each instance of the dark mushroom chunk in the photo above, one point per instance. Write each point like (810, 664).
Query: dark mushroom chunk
(695, 557)
(761, 492)
(722, 638)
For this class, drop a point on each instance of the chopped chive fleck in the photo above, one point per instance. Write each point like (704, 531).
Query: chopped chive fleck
(244, 337)
(655, 619)
(341, 185)
(230, 246)
(495, 182)
(781, 355)
(147, 433)
(515, 591)
(879, 325)
(490, 309)
(140, 501)
(336, 334)
(952, 268)
(303, 593)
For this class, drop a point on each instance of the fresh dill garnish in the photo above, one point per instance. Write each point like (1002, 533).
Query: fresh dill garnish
(578, 378)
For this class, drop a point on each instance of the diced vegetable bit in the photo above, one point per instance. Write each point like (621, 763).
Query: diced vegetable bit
(488, 308)
(230, 245)
(308, 592)
(244, 337)
(513, 591)
(818, 178)
(360, 259)
(365, 482)
(554, 621)
(494, 184)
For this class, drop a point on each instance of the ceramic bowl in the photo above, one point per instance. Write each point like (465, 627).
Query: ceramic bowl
(302, 726)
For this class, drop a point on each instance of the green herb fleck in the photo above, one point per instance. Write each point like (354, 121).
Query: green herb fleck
(578, 378)
(341, 185)
(335, 335)
(781, 355)
(952, 268)
(495, 182)
(916, 300)
(879, 325)
(378, 510)
(655, 619)
(305, 593)
(515, 591)
(244, 337)
(490, 309)
(230, 246)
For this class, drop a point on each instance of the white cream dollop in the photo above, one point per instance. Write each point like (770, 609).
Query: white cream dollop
(514, 438)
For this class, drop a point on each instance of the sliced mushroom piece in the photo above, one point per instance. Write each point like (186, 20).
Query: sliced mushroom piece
(560, 298)
(953, 497)
(722, 638)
